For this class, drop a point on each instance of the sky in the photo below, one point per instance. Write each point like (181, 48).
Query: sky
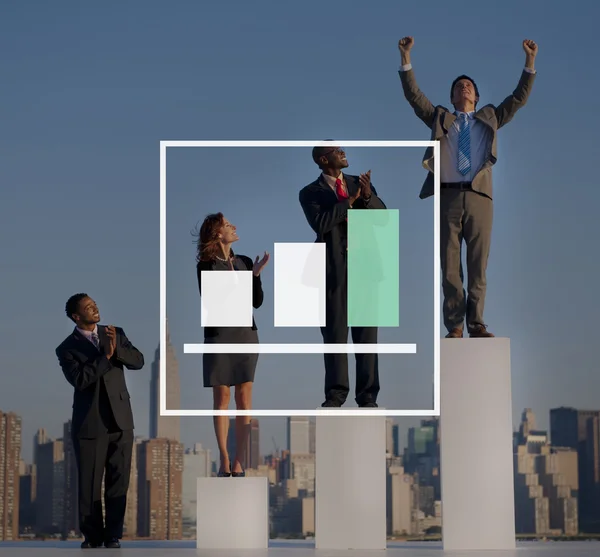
(90, 89)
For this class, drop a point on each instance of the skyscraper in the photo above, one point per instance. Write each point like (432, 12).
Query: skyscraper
(160, 477)
(10, 458)
(165, 427)
(251, 458)
(580, 430)
(298, 435)
(71, 496)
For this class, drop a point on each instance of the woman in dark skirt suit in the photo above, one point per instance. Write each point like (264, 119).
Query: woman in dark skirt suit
(222, 371)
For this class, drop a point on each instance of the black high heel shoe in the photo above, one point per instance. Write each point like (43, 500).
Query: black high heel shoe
(223, 474)
(241, 474)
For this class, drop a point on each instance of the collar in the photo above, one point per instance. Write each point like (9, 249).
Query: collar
(88, 334)
(330, 180)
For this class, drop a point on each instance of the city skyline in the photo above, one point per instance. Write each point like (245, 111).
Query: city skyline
(58, 152)
(557, 479)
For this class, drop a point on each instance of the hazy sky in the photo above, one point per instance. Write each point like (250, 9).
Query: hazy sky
(90, 89)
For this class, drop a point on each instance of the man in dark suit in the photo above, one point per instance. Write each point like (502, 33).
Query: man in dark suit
(326, 203)
(468, 150)
(92, 360)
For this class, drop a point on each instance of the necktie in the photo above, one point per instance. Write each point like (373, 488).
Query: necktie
(464, 145)
(95, 340)
(339, 190)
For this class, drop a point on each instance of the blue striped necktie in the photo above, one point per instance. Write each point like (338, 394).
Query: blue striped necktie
(464, 145)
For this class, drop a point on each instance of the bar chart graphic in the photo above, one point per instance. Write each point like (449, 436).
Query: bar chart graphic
(299, 296)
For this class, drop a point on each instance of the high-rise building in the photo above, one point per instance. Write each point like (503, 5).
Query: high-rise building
(197, 463)
(50, 496)
(580, 430)
(165, 427)
(312, 436)
(546, 483)
(389, 437)
(298, 434)
(160, 479)
(27, 487)
(396, 440)
(130, 524)
(71, 485)
(10, 458)
(251, 458)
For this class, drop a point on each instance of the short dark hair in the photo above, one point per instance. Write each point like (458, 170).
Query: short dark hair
(458, 79)
(72, 304)
(317, 153)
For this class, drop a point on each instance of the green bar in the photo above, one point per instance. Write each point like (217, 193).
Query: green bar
(373, 268)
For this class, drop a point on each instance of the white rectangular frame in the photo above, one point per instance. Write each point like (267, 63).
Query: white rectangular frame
(286, 348)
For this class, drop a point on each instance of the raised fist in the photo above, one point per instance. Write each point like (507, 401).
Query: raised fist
(530, 47)
(406, 44)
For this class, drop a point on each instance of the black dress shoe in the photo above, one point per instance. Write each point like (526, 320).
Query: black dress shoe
(90, 545)
(370, 404)
(331, 404)
(113, 543)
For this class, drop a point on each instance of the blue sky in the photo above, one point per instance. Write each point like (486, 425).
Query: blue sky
(89, 90)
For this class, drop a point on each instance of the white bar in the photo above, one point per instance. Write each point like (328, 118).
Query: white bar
(286, 413)
(300, 348)
(226, 298)
(162, 339)
(303, 143)
(350, 490)
(232, 513)
(478, 503)
(437, 272)
(299, 284)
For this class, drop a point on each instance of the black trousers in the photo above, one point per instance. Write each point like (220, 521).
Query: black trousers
(108, 455)
(337, 385)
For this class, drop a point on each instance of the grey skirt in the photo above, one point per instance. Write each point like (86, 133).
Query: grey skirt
(230, 369)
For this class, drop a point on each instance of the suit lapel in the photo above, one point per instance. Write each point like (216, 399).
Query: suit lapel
(325, 186)
(83, 341)
(448, 119)
(103, 337)
(483, 117)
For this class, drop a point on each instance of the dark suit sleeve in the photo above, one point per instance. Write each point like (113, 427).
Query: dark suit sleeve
(507, 109)
(82, 375)
(322, 220)
(257, 290)
(374, 202)
(126, 353)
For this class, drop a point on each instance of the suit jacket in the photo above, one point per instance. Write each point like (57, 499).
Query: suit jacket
(89, 371)
(327, 215)
(257, 291)
(440, 120)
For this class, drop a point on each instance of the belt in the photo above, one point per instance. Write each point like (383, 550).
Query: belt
(456, 185)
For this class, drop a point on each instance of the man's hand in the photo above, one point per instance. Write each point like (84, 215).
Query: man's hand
(405, 45)
(111, 333)
(354, 197)
(259, 265)
(365, 185)
(530, 48)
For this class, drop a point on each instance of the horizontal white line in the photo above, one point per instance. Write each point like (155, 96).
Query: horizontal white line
(300, 348)
(313, 412)
(304, 143)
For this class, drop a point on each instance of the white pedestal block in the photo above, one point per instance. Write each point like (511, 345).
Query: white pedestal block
(232, 513)
(478, 504)
(350, 483)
